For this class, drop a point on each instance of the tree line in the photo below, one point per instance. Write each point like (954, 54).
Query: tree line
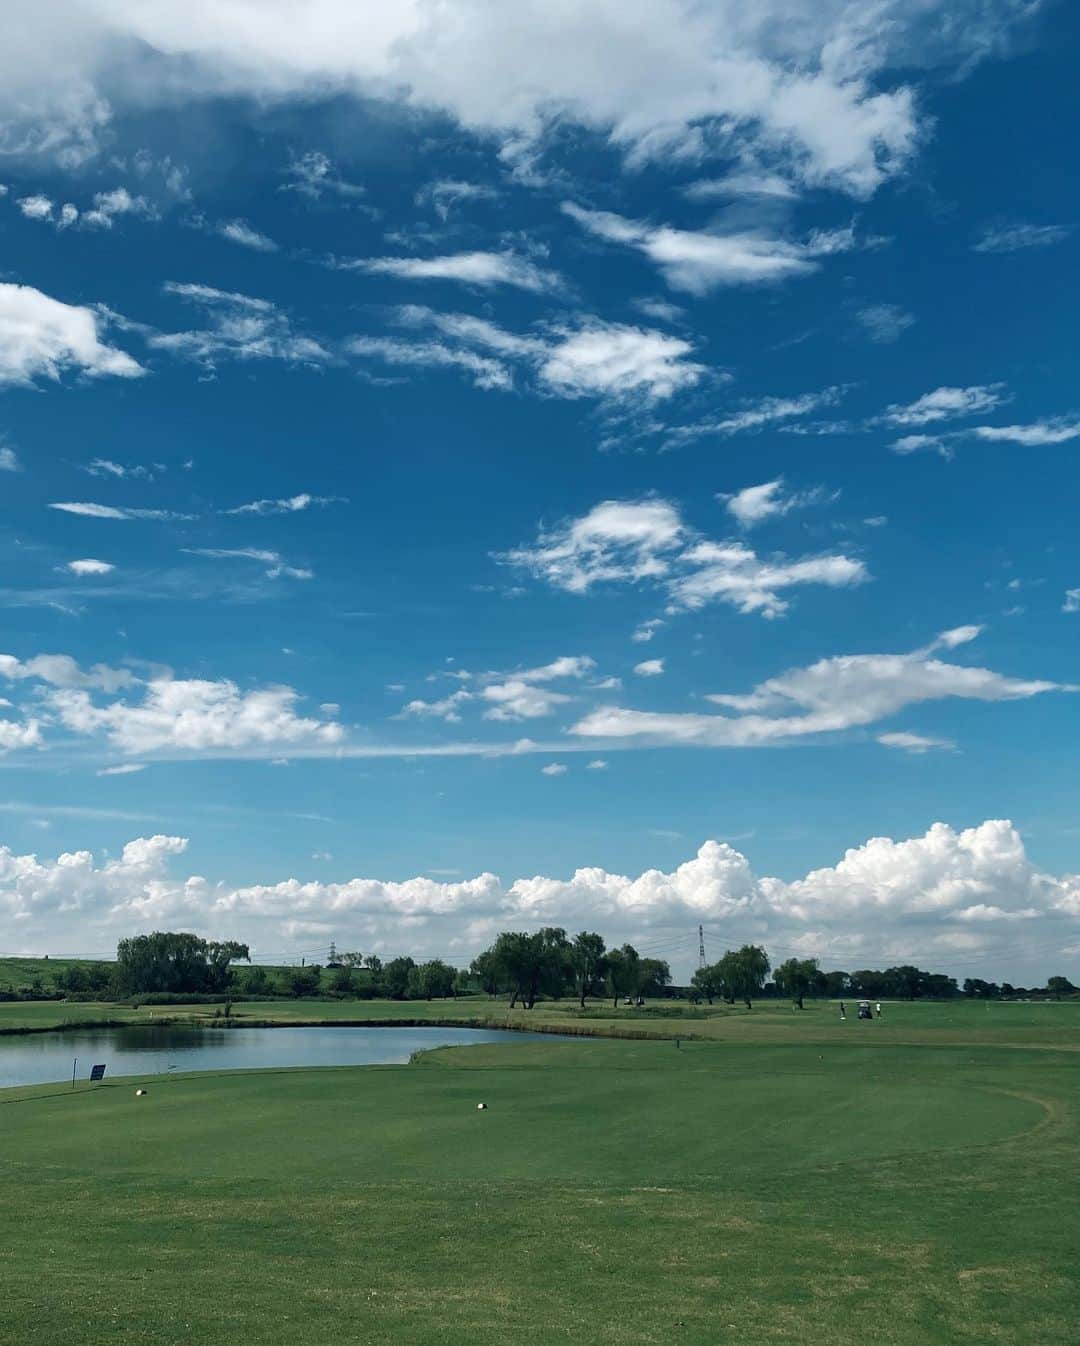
(525, 966)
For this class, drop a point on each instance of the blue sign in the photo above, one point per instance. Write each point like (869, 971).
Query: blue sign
(97, 1073)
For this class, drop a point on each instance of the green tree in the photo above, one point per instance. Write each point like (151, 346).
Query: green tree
(587, 961)
(797, 977)
(531, 964)
(431, 981)
(623, 972)
(395, 978)
(342, 981)
(257, 982)
(708, 982)
(485, 967)
(1059, 986)
(302, 981)
(743, 972)
(655, 977)
(175, 961)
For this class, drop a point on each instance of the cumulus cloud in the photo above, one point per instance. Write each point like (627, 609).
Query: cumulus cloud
(587, 358)
(194, 714)
(929, 898)
(649, 668)
(9, 459)
(485, 270)
(90, 566)
(808, 87)
(631, 542)
(108, 205)
(836, 694)
(61, 670)
(698, 262)
(553, 769)
(44, 338)
(1017, 237)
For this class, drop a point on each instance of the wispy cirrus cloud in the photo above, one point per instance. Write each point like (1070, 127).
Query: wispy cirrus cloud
(276, 566)
(240, 328)
(484, 270)
(1019, 237)
(698, 262)
(831, 696)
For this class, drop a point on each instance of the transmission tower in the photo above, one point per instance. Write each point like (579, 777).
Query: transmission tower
(332, 954)
(701, 946)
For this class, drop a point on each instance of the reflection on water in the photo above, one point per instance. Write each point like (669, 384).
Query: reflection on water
(39, 1058)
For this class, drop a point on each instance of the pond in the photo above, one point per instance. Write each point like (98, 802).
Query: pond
(40, 1058)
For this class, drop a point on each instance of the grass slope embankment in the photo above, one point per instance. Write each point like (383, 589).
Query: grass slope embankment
(616, 1193)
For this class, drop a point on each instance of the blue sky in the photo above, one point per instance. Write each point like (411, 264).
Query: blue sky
(632, 447)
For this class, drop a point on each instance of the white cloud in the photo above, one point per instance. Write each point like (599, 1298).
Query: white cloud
(1055, 431)
(846, 692)
(1015, 237)
(241, 328)
(313, 175)
(742, 184)
(755, 504)
(645, 631)
(699, 262)
(1072, 601)
(239, 231)
(194, 714)
(482, 269)
(756, 415)
(521, 695)
(61, 670)
(946, 404)
(884, 323)
(808, 87)
(649, 668)
(108, 205)
(124, 769)
(36, 207)
(914, 443)
(105, 467)
(89, 509)
(448, 708)
(445, 194)
(553, 769)
(9, 459)
(517, 699)
(276, 566)
(293, 504)
(89, 566)
(14, 734)
(587, 359)
(635, 541)
(913, 743)
(42, 337)
(598, 764)
(926, 898)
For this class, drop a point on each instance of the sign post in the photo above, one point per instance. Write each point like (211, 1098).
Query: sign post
(74, 1065)
(96, 1073)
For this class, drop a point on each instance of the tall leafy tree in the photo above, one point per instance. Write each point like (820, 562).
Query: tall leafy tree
(744, 971)
(587, 958)
(797, 977)
(623, 972)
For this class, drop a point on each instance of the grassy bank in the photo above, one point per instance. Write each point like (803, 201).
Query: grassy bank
(616, 1193)
(1013, 1024)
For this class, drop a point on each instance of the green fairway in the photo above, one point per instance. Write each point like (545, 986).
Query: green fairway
(612, 1192)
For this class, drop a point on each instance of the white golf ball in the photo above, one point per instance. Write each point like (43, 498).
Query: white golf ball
(480, 1107)
(139, 1093)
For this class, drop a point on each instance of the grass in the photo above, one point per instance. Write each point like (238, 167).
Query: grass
(733, 1190)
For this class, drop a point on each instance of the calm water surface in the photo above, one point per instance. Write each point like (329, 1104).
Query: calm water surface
(39, 1058)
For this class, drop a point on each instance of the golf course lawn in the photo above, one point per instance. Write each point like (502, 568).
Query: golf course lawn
(612, 1192)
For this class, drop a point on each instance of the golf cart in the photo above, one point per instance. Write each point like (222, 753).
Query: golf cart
(864, 1010)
